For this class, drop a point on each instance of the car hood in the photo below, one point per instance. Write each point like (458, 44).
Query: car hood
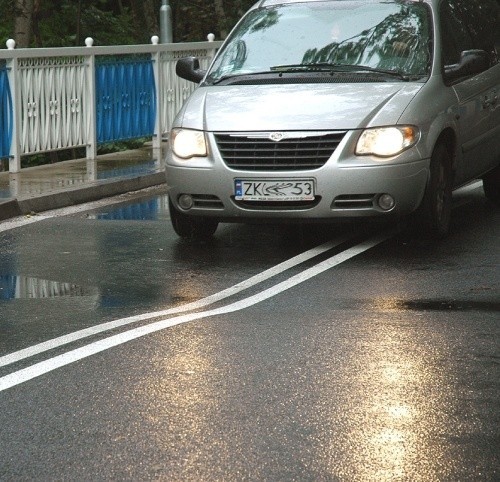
(296, 107)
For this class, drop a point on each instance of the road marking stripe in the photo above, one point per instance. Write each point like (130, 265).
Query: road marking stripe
(25, 220)
(72, 356)
(94, 330)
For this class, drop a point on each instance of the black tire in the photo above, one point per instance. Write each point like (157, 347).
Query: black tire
(191, 226)
(491, 186)
(434, 214)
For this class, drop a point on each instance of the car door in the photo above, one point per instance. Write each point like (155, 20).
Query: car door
(476, 137)
(487, 26)
(484, 27)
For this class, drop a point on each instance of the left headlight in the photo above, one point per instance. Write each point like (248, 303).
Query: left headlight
(386, 141)
(188, 143)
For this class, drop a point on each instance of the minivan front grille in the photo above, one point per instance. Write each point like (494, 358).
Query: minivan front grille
(257, 152)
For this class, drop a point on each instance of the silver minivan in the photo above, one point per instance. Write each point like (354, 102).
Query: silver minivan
(328, 109)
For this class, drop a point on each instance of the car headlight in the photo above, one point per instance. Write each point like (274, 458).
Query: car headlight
(386, 141)
(188, 143)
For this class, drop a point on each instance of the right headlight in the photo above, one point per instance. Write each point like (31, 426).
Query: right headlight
(187, 143)
(386, 141)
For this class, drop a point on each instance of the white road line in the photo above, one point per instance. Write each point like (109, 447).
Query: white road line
(69, 357)
(94, 330)
(25, 220)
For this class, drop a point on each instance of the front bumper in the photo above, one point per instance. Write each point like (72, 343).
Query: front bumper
(340, 192)
(345, 186)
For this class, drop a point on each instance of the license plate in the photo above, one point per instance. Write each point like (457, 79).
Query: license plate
(275, 190)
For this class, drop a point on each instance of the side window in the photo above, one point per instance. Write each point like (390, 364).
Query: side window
(455, 37)
(482, 20)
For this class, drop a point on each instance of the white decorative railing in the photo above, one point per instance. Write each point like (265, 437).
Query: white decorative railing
(50, 101)
(52, 91)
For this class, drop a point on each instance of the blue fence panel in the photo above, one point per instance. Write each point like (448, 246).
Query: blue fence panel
(126, 99)
(6, 114)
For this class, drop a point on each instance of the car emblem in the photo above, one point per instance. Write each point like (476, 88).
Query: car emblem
(276, 136)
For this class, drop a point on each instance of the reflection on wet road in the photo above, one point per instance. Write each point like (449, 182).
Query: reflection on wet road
(268, 353)
(150, 210)
(23, 287)
(77, 173)
(97, 347)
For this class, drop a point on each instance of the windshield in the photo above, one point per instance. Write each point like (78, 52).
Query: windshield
(391, 35)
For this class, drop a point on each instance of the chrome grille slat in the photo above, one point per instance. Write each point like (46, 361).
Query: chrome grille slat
(252, 152)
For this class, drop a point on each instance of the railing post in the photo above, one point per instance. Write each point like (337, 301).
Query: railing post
(156, 58)
(211, 38)
(15, 146)
(92, 114)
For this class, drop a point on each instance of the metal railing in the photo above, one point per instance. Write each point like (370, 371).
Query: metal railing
(62, 98)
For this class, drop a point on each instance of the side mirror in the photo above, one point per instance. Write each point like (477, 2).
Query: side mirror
(189, 68)
(471, 62)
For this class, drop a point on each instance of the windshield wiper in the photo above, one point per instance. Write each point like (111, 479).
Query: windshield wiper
(309, 68)
(228, 78)
(328, 67)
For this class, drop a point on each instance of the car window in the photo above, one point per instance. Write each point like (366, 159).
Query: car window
(470, 25)
(455, 37)
(391, 35)
(484, 25)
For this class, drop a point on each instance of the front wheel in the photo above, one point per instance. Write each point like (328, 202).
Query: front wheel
(191, 226)
(491, 186)
(434, 214)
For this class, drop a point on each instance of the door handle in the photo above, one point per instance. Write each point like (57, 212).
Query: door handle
(490, 100)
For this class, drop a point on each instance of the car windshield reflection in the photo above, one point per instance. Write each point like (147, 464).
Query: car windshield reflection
(388, 36)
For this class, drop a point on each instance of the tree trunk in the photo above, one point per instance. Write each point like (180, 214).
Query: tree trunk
(145, 17)
(220, 13)
(137, 18)
(78, 23)
(35, 17)
(151, 14)
(23, 24)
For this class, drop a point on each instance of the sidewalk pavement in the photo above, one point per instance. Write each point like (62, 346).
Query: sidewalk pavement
(68, 183)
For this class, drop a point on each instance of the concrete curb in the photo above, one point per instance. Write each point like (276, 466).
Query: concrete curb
(9, 208)
(78, 195)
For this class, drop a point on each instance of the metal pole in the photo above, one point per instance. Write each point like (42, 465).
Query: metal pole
(17, 127)
(166, 35)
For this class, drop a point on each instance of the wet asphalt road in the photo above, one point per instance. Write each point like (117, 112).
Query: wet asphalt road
(351, 364)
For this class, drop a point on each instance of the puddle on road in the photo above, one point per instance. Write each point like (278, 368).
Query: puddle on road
(492, 306)
(129, 171)
(451, 305)
(151, 210)
(70, 174)
(25, 287)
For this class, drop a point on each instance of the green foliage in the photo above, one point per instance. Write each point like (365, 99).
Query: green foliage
(76, 153)
(118, 146)
(64, 23)
(6, 20)
(72, 25)
(194, 19)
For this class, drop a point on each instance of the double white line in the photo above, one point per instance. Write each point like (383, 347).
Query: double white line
(46, 366)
